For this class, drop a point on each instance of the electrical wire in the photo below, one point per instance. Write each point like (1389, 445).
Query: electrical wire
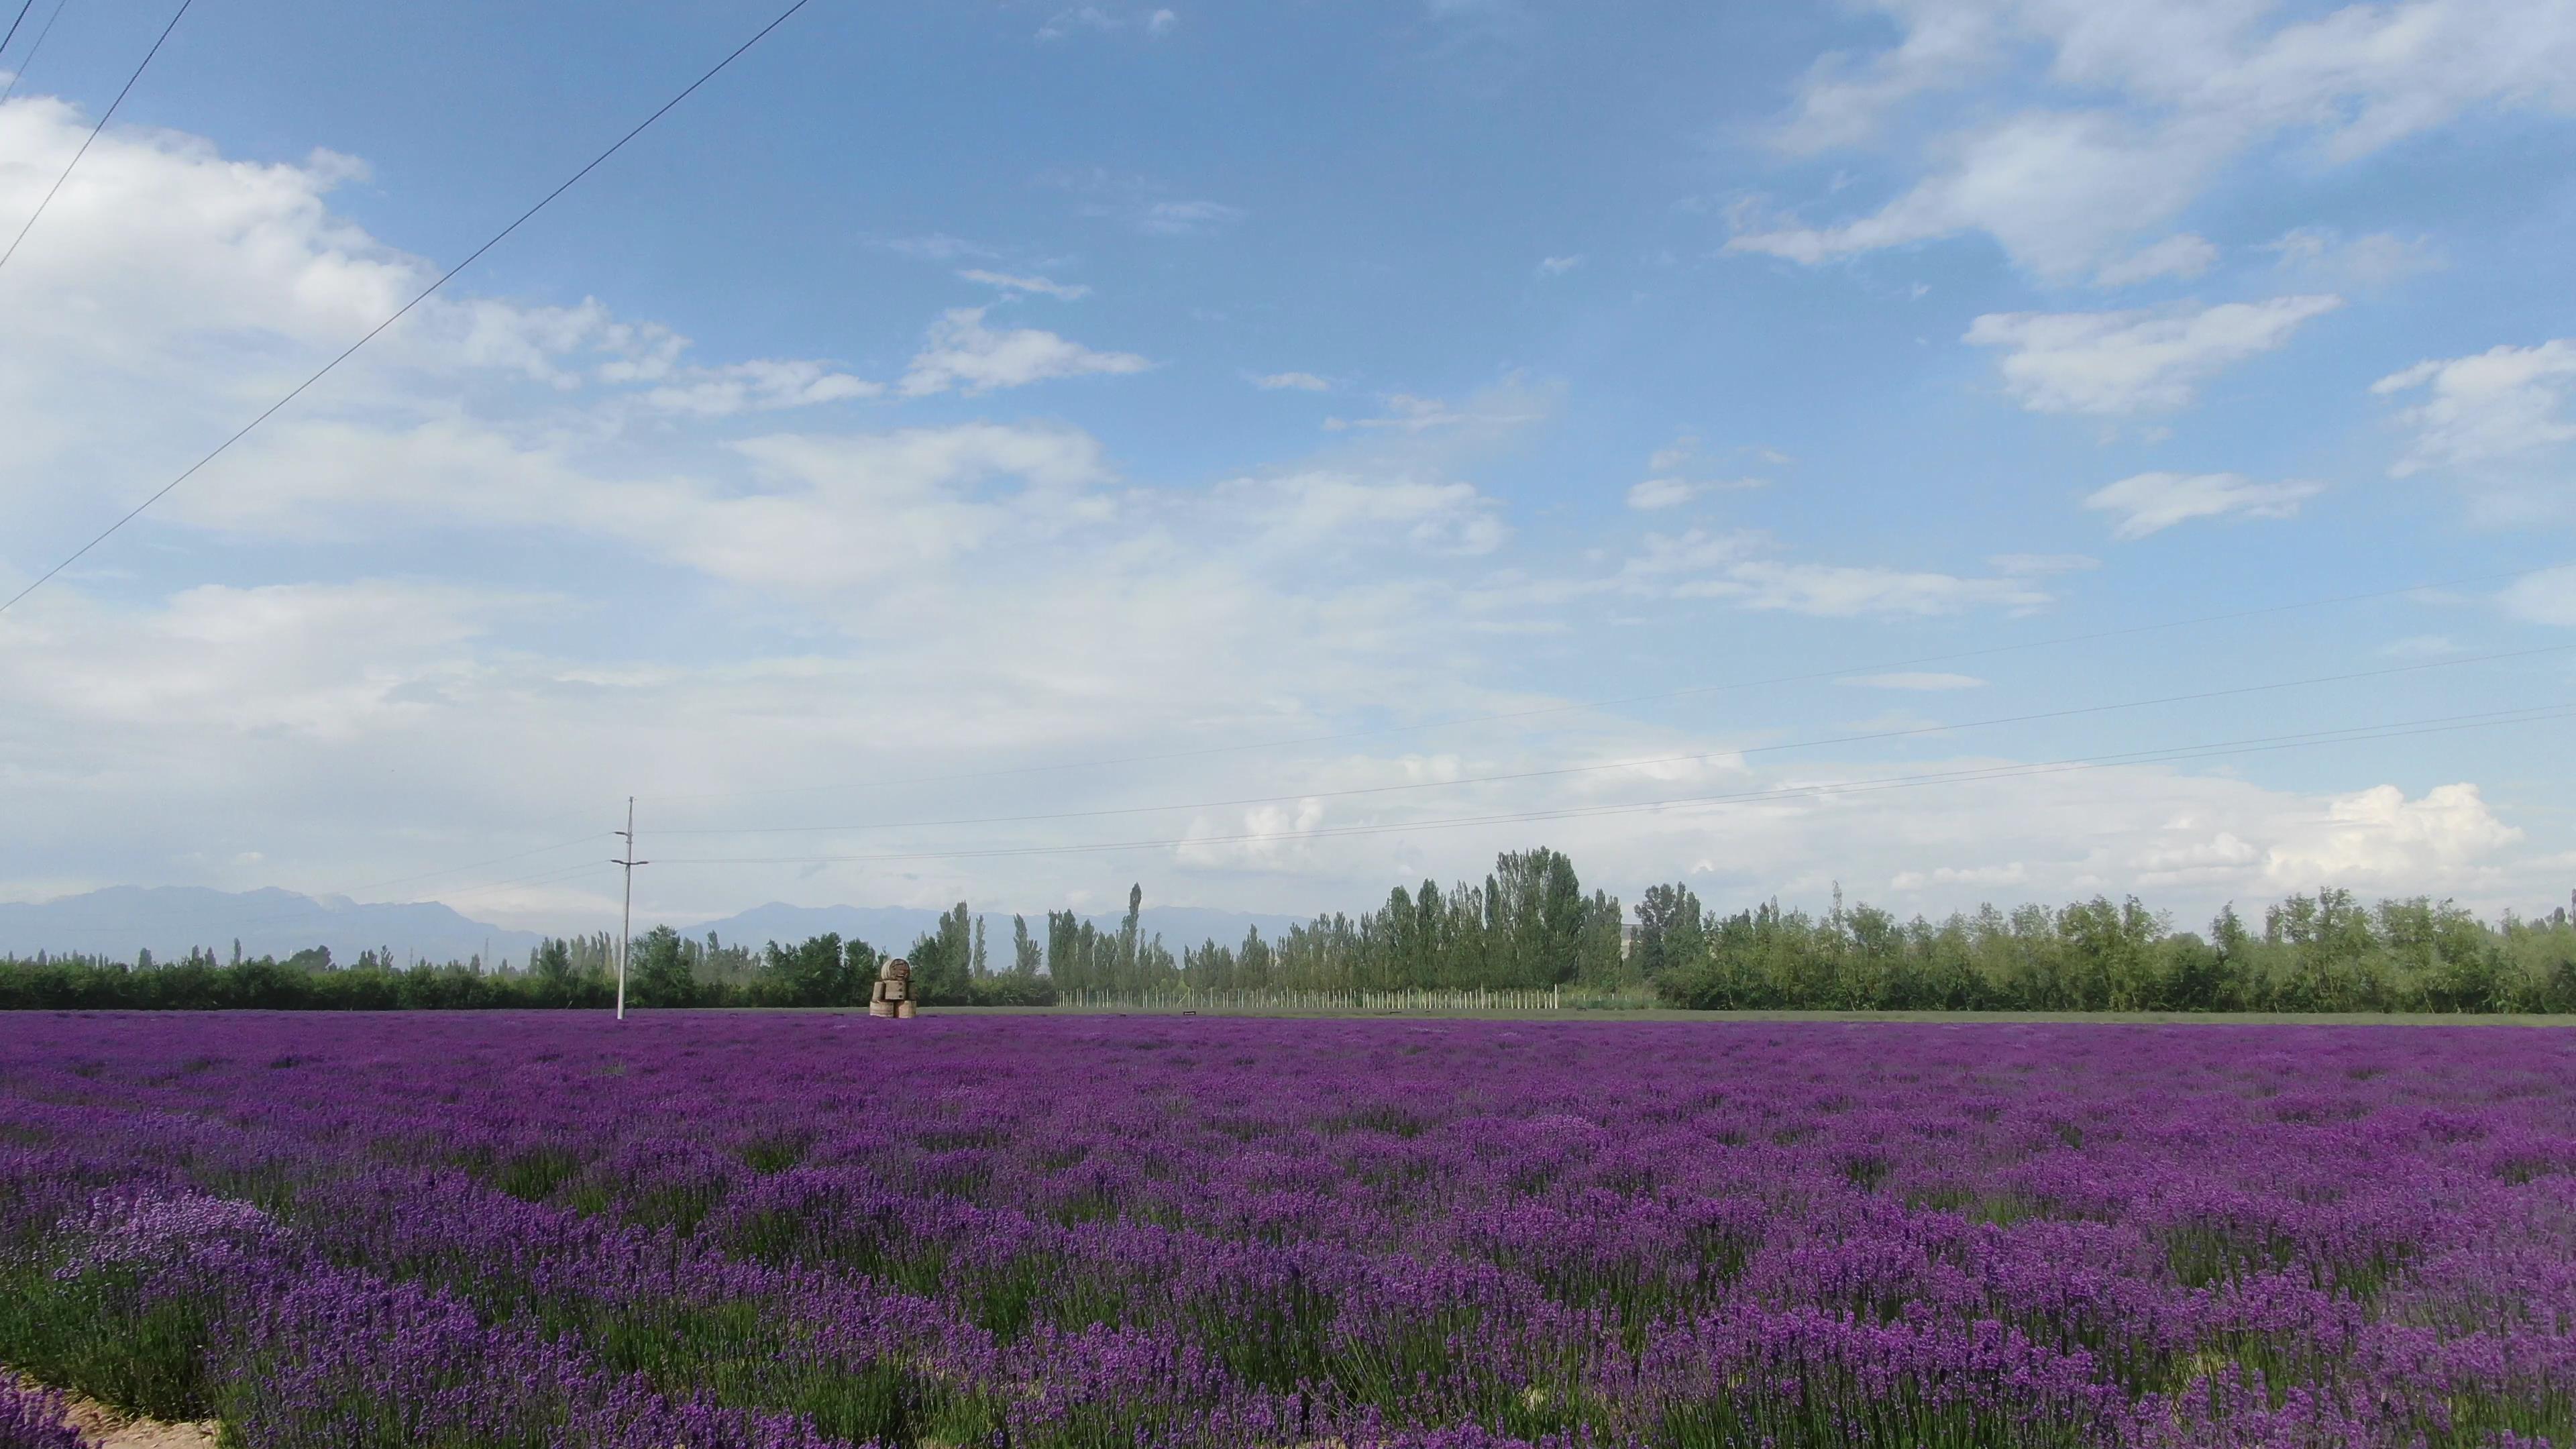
(2256, 745)
(14, 24)
(103, 118)
(33, 47)
(1907, 733)
(399, 313)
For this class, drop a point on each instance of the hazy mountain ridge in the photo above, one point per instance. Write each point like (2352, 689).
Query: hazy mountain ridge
(170, 920)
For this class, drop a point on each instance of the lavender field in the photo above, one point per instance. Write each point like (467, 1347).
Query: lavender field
(789, 1230)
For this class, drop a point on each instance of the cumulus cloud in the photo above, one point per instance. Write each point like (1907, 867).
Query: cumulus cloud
(725, 617)
(2113, 363)
(1291, 382)
(2135, 114)
(2496, 407)
(1558, 266)
(2153, 502)
(964, 354)
(2379, 838)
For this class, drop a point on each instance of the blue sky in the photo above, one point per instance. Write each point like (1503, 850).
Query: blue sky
(951, 405)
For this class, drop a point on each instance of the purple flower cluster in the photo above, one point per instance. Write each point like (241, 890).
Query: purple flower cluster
(817, 1230)
(34, 1418)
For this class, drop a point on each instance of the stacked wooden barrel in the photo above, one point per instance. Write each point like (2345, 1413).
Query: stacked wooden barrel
(893, 994)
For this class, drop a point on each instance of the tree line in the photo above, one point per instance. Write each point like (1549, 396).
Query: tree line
(1527, 924)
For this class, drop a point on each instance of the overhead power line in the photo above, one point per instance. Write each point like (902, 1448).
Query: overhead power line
(14, 24)
(103, 118)
(399, 313)
(2257, 745)
(1911, 731)
(1686, 692)
(33, 47)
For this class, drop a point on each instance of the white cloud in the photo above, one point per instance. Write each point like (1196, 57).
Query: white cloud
(2379, 838)
(2043, 563)
(2496, 407)
(2421, 646)
(1655, 493)
(2548, 597)
(759, 386)
(937, 246)
(327, 662)
(1558, 266)
(2184, 255)
(1188, 218)
(1292, 382)
(1842, 592)
(1305, 509)
(2152, 502)
(1923, 682)
(1699, 564)
(1410, 414)
(1061, 291)
(2011, 873)
(1668, 487)
(1157, 23)
(965, 354)
(2138, 108)
(2059, 192)
(2377, 260)
(1143, 203)
(732, 616)
(2112, 363)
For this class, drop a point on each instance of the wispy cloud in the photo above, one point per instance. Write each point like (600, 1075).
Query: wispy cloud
(1291, 382)
(964, 354)
(2153, 502)
(1920, 683)
(2112, 363)
(1008, 282)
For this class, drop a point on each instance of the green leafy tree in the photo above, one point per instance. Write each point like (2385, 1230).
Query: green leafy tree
(1672, 931)
(943, 961)
(662, 975)
(1024, 948)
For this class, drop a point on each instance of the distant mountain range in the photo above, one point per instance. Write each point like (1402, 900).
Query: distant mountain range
(169, 920)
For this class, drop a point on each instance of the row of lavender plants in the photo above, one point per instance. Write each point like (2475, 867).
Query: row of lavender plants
(713, 1230)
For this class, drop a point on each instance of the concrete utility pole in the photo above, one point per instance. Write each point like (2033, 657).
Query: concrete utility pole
(626, 932)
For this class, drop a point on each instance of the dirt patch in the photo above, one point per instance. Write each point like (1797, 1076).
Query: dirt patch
(101, 1427)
